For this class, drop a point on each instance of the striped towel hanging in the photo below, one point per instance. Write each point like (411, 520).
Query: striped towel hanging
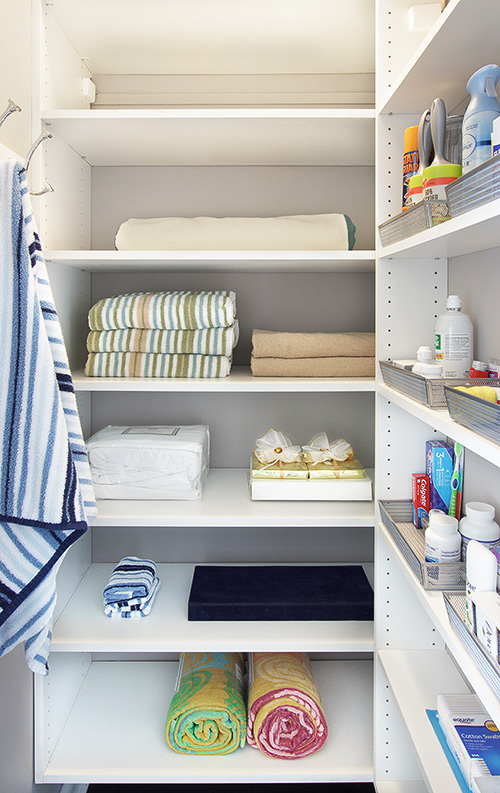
(46, 495)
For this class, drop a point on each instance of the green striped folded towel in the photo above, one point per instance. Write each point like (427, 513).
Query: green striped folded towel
(137, 364)
(205, 341)
(178, 310)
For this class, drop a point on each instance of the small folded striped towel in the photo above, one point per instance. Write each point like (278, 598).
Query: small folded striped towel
(285, 716)
(205, 341)
(143, 364)
(134, 608)
(179, 310)
(207, 713)
(46, 494)
(131, 578)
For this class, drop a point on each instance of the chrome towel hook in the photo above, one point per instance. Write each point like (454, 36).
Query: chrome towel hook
(44, 135)
(11, 108)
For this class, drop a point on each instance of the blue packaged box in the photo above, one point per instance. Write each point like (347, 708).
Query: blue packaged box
(439, 469)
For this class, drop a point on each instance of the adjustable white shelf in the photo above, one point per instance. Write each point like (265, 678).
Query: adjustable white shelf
(83, 626)
(217, 136)
(434, 605)
(441, 420)
(239, 379)
(216, 261)
(226, 502)
(475, 231)
(116, 726)
(416, 678)
(443, 61)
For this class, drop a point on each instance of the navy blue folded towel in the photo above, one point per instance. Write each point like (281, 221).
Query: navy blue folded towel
(280, 592)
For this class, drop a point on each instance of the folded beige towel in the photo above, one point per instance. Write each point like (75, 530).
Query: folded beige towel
(278, 344)
(332, 366)
(329, 231)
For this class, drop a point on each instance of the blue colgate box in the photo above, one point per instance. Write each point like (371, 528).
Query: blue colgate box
(439, 469)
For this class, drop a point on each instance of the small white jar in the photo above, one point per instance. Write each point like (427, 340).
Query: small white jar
(479, 524)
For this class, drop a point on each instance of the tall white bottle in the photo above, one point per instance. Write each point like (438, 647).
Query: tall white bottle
(454, 339)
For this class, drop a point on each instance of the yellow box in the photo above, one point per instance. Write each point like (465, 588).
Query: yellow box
(347, 469)
(279, 470)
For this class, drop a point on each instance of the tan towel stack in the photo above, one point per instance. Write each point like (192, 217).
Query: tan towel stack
(287, 354)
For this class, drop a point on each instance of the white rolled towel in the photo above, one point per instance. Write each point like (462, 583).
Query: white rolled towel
(329, 231)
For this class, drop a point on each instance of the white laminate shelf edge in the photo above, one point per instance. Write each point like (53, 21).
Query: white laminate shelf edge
(215, 261)
(442, 421)
(218, 136)
(416, 677)
(226, 502)
(115, 732)
(434, 605)
(239, 379)
(83, 626)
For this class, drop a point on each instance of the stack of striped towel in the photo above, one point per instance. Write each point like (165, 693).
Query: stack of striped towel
(131, 589)
(162, 334)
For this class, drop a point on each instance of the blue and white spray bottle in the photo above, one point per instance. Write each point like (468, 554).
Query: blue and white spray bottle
(478, 120)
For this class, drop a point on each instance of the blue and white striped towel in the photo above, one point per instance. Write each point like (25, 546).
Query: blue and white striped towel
(135, 607)
(131, 578)
(46, 495)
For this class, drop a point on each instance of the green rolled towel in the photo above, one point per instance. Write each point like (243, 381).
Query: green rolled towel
(207, 713)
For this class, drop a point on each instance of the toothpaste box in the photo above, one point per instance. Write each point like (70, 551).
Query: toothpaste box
(439, 469)
(420, 498)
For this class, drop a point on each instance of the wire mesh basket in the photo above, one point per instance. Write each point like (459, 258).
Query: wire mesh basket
(455, 606)
(429, 392)
(421, 216)
(474, 412)
(397, 518)
(475, 188)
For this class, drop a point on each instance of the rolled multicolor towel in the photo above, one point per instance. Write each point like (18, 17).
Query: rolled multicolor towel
(207, 712)
(285, 717)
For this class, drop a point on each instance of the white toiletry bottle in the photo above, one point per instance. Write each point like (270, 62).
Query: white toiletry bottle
(426, 366)
(442, 547)
(480, 575)
(479, 524)
(454, 338)
(442, 538)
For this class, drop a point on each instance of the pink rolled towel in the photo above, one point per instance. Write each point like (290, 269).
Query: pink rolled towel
(285, 716)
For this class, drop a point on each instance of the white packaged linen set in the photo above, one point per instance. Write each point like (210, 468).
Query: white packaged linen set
(168, 462)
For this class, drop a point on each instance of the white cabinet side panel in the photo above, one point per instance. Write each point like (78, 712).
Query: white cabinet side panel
(55, 694)
(64, 219)
(411, 293)
(62, 68)
(399, 449)
(394, 757)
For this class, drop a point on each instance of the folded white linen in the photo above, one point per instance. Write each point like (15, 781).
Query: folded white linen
(150, 462)
(327, 231)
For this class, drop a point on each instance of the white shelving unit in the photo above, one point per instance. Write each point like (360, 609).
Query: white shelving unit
(302, 108)
(418, 653)
(290, 96)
